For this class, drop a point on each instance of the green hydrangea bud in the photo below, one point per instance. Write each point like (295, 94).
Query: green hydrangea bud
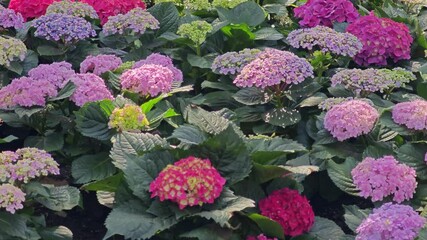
(130, 117)
(125, 66)
(227, 3)
(196, 31)
(11, 49)
(197, 4)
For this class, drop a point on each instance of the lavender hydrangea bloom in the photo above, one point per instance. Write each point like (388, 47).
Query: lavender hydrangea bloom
(328, 103)
(57, 73)
(62, 27)
(411, 114)
(10, 19)
(391, 222)
(90, 88)
(72, 8)
(162, 60)
(10, 50)
(273, 67)
(382, 177)
(100, 64)
(11, 198)
(233, 62)
(327, 39)
(137, 20)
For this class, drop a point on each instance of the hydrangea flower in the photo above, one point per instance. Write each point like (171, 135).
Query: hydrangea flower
(291, 210)
(130, 117)
(76, 9)
(350, 119)
(89, 88)
(108, 8)
(11, 49)
(10, 19)
(260, 237)
(30, 8)
(411, 114)
(162, 60)
(391, 222)
(326, 12)
(425, 158)
(233, 62)
(227, 3)
(197, 5)
(328, 103)
(137, 20)
(57, 73)
(273, 67)
(189, 182)
(149, 79)
(382, 177)
(326, 39)
(62, 27)
(100, 64)
(11, 198)
(382, 39)
(196, 31)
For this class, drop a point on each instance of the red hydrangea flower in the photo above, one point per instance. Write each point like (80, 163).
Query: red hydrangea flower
(107, 8)
(289, 209)
(30, 8)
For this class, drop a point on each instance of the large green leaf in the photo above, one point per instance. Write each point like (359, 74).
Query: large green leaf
(56, 233)
(268, 226)
(248, 12)
(210, 232)
(282, 117)
(206, 121)
(323, 229)
(51, 142)
(265, 150)
(189, 135)
(252, 96)
(354, 216)
(92, 167)
(167, 15)
(59, 198)
(341, 175)
(109, 184)
(13, 225)
(65, 92)
(387, 121)
(412, 154)
(92, 120)
(268, 33)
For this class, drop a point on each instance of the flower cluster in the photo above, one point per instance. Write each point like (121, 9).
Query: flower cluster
(382, 177)
(149, 79)
(11, 198)
(411, 114)
(162, 60)
(382, 38)
(10, 19)
(196, 31)
(100, 64)
(57, 73)
(233, 62)
(326, 12)
(391, 222)
(227, 3)
(260, 237)
(137, 20)
(69, 7)
(425, 158)
(197, 5)
(89, 88)
(272, 67)
(64, 28)
(328, 103)
(291, 210)
(30, 8)
(130, 117)
(11, 49)
(326, 39)
(350, 119)
(107, 8)
(189, 182)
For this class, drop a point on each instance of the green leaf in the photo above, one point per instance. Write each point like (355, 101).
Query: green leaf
(210, 232)
(31, 61)
(313, 100)
(341, 175)
(65, 92)
(265, 173)
(167, 15)
(50, 143)
(282, 117)
(206, 121)
(60, 198)
(354, 216)
(13, 225)
(412, 154)
(92, 120)
(252, 96)
(46, 50)
(92, 167)
(15, 67)
(268, 33)
(376, 151)
(323, 229)
(268, 226)
(56, 233)
(248, 12)
(274, 147)
(189, 135)
(27, 112)
(8, 139)
(387, 121)
(147, 106)
(109, 184)
(200, 62)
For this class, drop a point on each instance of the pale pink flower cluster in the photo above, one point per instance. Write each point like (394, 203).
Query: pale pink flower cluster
(11, 198)
(411, 114)
(100, 64)
(89, 88)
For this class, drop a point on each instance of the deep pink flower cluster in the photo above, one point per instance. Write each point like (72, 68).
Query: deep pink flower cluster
(382, 38)
(11, 198)
(326, 12)
(89, 88)
(291, 210)
(273, 67)
(382, 177)
(189, 182)
(57, 73)
(350, 119)
(391, 222)
(10, 19)
(100, 64)
(411, 114)
(149, 79)
(162, 60)
(260, 237)
(30, 8)
(107, 8)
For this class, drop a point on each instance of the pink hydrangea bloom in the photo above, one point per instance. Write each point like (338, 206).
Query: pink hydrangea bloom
(189, 182)
(149, 79)
(57, 73)
(10, 19)
(260, 237)
(425, 158)
(162, 60)
(382, 177)
(107, 8)
(382, 39)
(350, 119)
(326, 12)
(411, 114)
(90, 88)
(100, 64)
(11, 198)
(30, 8)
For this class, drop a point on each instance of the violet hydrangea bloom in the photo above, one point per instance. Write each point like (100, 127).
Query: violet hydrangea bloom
(100, 64)
(11, 49)
(326, 39)
(137, 20)
(273, 67)
(382, 177)
(391, 222)
(350, 119)
(326, 12)
(57, 73)
(10, 19)
(233, 62)
(11, 198)
(260, 237)
(162, 60)
(89, 88)
(412, 114)
(77, 9)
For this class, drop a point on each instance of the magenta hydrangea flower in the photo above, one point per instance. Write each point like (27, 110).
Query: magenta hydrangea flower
(189, 182)
(137, 20)
(149, 79)
(10, 19)
(350, 119)
(57, 73)
(425, 158)
(233, 62)
(162, 60)
(411, 114)
(382, 39)
(382, 177)
(260, 237)
(100, 64)
(89, 88)
(11, 198)
(326, 12)
(391, 222)
(273, 67)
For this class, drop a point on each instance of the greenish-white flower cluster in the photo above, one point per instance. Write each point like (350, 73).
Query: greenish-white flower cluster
(11, 49)
(196, 31)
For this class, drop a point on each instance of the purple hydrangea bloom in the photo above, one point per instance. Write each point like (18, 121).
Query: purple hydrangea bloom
(89, 88)
(10, 19)
(136, 20)
(72, 8)
(350, 119)
(233, 62)
(411, 114)
(425, 158)
(326, 39)
(11, 198)
(57, 73)
(391, 222)
(273, 67)
(382, 177)
(162, 60)
(62, 27)
(100, 64)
